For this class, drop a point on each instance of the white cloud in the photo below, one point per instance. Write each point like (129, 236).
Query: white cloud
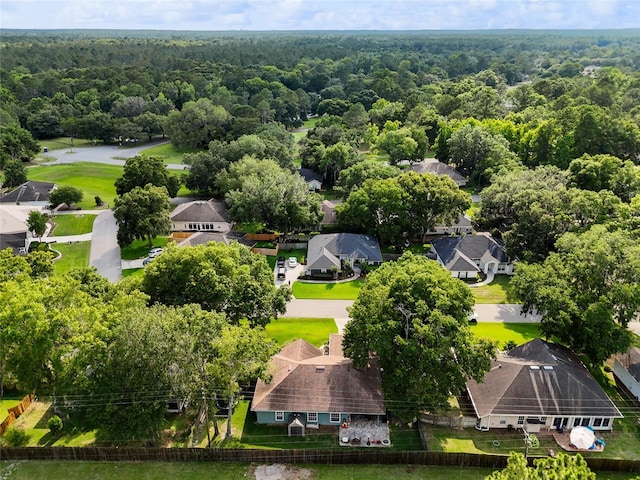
(319, 14)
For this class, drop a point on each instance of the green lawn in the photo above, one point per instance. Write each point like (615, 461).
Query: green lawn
(74, 255)
(132, 272)
(169, 152)
(63, 142)
(9, 400)
(314, 330)
(503, 332)
(76, 224)
(140, 248)
(332, 291)
(94, 179)
(498, 291)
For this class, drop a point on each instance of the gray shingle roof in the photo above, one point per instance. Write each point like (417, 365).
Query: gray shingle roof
(557, 385)
(305, 380)
(631, 361)
(31, 191)
(351, 245)
(437, 168)
(200, 211)
(473, 247)
(309, 175)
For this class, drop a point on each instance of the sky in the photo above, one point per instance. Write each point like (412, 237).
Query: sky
(215, 15)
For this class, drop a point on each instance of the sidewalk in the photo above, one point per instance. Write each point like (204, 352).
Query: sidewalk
(86, 237)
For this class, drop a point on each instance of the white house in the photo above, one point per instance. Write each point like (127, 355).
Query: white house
(329, 251)
(14, 232)
(468, 255)
(200, 216)
(313, 179)
(462, 226)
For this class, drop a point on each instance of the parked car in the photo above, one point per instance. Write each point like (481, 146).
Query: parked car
(146, 261)
(154, 252)
(293, 261)
(282, 272)
(473, 317)
(280, 262)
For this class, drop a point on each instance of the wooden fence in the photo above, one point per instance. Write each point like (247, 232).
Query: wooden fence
(15, 412)
(261, 237)
(330, 457)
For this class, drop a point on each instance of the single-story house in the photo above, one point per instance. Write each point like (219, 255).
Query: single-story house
(462, 226)
(202, 238)
(313, 179)
(31, 193)
(329, 217)
(14, 232)
(326, 251)
(540, 386)
(200, 216)
(310, 388)
(467, 255)
(626, 368)
(431, 165)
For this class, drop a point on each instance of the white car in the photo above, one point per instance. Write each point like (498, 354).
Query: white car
(293, 261)
(154, 252)
(473, 316)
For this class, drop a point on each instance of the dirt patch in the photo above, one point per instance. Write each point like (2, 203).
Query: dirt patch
(279, 472)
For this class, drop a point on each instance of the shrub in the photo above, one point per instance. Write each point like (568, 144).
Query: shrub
(98, 200)
(608, 369)
(16, 437)
(509, 345)
(55, 424)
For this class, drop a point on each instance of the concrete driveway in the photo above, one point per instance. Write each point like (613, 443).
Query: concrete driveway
(292, 274)
(105, 252)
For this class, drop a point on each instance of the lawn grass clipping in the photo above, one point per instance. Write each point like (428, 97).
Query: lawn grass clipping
(327, 291)
(94, 179)
(76, 224)
(74, 255)
(314, 330)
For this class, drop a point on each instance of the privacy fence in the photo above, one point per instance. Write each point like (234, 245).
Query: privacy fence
(331, 457)
(15, 412)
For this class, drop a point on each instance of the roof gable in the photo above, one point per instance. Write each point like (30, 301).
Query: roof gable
(309, 175)
(437, 168)
(200, 211)
(540, 379)
(474, 247)
(305, 380)
(31, 191)
(351, 245)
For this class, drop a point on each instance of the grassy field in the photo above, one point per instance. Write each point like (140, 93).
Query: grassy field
(314, 330)
(332, 291)
(76, 224)
(94, 179)
(74, 255)
(63, 142)
(140, 248)
(132, 272)
(498, 291)
(169, 152)
(503, 332)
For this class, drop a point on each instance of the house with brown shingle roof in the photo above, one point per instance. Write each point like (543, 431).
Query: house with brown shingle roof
(540, 386)
(433, 166)
(310, 388)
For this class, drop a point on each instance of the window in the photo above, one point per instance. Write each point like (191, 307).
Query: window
(605, 422)
(585, 422)
(521, 420)
(503, 420)
(334, 417)
(312, 417)
(279, 416)
(576, 422)
(597, 422)
(543, 420)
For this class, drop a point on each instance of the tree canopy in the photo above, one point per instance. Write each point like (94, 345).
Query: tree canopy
(586, 290)
(224, 278)
(142, 213)
(560, 467)
(411, 317)
(142, 170)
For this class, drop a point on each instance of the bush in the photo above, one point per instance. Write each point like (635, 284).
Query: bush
(98, 201)
(55, 424)
(509, 345)
(16, 437)
(608, 369)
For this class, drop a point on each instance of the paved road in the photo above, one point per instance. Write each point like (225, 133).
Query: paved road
(105, 252)
(508, 313)
(108, 154)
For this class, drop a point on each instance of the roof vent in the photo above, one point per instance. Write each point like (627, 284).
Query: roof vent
(548, 367)
(319, 368)
(534, 367)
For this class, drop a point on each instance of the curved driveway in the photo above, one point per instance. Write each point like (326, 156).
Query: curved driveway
(107, 154)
